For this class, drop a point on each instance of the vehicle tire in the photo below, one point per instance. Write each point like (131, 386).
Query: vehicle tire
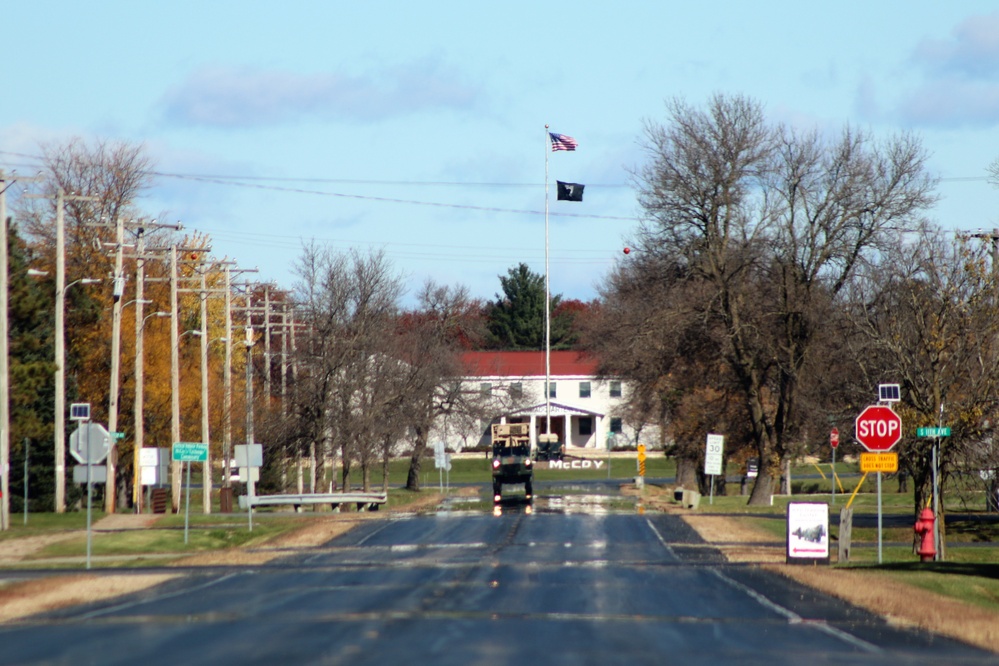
(497, 488)
(529, 489)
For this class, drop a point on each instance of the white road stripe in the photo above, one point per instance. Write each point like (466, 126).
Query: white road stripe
(794, 618)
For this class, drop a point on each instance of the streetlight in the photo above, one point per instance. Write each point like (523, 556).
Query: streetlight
(139, 399)
(60, 392)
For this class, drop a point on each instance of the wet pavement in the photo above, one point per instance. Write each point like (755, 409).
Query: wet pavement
(578, 575)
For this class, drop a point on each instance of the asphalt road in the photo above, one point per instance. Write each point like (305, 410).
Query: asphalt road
(570, 580)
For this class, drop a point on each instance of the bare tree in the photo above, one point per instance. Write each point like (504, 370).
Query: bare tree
(432, 340)
(927, 314)
(773, 223)
(350, 304)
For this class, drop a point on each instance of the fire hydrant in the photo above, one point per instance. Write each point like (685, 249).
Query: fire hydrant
(924, 526)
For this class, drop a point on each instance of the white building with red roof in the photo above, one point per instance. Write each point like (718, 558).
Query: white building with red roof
(586, 411)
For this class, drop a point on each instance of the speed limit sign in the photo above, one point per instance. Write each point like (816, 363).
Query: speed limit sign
(713, 455)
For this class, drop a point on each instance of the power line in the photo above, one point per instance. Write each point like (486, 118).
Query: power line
(411, 202)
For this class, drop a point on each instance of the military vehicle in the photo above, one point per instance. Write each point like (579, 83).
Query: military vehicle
(512, 458)
(549, 449)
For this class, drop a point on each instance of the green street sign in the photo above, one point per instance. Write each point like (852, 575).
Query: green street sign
(933, 432)
(118, 435)
(190, 452)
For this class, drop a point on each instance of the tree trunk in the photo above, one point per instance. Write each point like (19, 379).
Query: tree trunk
(312, 466)
(345, 468)
(686, 473)
(413, 478)
(385, 466)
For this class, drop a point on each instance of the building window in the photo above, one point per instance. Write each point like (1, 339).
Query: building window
(584, 389)
(615, 389)
(517, 390)
(485, 388)
(616, 425)
(551, 389)
(586, 425)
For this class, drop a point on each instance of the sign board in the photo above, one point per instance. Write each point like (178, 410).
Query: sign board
(249, 455)
(90, 443)
(834, 437)
(713, 455)
(879, 462)
(190, 451)
(439, 455)
(933, 432)
(98, 473)
(752, 468)
(248, 474)
(889, 393)
(807, 532)
(79, 411)
(149, 476)
(878, 428)
(118, 435)
(154, 466)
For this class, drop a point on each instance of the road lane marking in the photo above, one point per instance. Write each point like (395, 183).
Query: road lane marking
(794, 618)
(659, 536)
(162, 597)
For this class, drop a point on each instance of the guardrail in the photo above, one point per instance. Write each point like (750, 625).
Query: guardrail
(364, 501)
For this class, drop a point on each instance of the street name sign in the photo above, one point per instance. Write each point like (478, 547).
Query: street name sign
(190, 451)
(879, 462)
(933, 432)
(878, 428)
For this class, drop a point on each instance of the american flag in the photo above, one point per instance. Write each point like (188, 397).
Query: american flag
(562, 142)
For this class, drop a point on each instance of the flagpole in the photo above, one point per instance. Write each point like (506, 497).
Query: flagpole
(548, 349)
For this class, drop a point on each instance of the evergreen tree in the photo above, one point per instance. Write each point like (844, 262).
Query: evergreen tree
(517, 317)
(32, 385)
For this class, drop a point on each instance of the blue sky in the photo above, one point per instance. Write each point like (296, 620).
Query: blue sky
(419, 128)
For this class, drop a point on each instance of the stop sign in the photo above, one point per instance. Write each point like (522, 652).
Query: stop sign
(878, 428)
(834, 437)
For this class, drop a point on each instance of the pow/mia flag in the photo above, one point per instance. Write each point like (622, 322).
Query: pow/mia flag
(569, 191)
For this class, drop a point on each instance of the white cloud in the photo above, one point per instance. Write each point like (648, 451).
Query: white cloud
(972, 50)
(248, 97)
(958, 78)
(952, 102)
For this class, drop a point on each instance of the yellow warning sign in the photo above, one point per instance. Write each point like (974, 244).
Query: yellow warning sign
(879, 462)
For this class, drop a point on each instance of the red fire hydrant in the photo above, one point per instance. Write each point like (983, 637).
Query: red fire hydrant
(924, 526)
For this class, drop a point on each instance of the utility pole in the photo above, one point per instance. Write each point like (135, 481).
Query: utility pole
(60, 339)
(267, 344)
(206, 468)
(227, 384)
(174, 380)
(250, 435)
(140, 370)
(4, 364)
(118, 295)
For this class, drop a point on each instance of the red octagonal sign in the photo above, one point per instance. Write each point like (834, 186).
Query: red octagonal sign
(878, 428)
